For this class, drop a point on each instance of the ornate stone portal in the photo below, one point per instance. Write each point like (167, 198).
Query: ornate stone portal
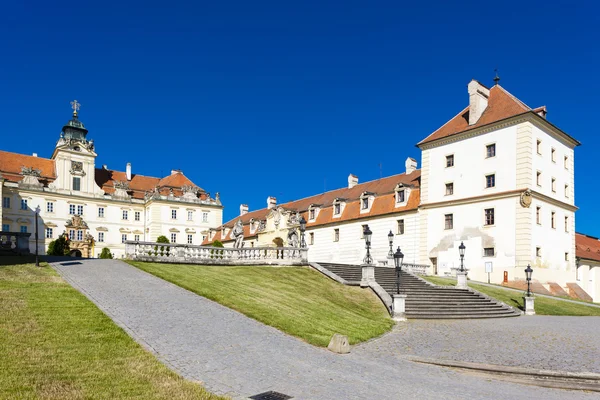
(82, 243)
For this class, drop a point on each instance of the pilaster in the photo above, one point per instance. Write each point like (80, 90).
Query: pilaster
(524, 168)
(523, 232)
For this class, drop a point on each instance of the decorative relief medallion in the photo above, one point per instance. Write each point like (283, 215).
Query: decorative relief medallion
(526, 198)
(76, 166)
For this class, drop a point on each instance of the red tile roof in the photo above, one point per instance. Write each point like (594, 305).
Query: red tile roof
(11, 163)
(587, 247)
(501, 105)
(384, 203)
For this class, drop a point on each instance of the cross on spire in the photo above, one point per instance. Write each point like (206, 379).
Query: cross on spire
(497, 78)
(75, 105)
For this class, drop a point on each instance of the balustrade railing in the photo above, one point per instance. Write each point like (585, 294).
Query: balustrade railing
(14, 242)
(417, 269)
(180, 253)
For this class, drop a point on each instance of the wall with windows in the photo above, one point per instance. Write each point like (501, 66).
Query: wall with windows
(350, 246)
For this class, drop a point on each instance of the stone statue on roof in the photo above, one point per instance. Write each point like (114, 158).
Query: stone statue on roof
(237, 233)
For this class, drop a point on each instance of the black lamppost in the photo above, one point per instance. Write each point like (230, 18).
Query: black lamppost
(367, 234)
(302, 230)
(391, 241)
(461, 251)
(398, 259)
(37, 214)
(528, 272)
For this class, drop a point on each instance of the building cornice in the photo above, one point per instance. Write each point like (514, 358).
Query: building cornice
(551, 200)
(471, 200)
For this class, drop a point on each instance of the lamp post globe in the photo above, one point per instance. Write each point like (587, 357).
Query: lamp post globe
(461, 251)
(37, 214)
(391, 242)
(528, 272)
(367, 234)
(398, 260)
(302, 230)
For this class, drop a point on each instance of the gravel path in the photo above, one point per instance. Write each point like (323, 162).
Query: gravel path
(232, 354)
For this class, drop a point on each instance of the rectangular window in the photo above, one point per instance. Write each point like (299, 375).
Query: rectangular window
(48, 233)
(204, 217)
(538, 251)
(76, 184)
(490, 150)
(488, 252)
(400, 196)
(538, 215)
(489, 216)
(566, 190)
(336, 235)
(173, 238)
(566, 256)
(190, 239)
(23, 229)
(448, 221)
(365, 203)
(553, 155)
(553, 220)
(490, 181)
(566, 162)
(336, 209)
(101, 212)
(539, 178)
(173, 214)
(80, 235)
(123, 238)
(125, 214)
(5, 227)
(400, 227)
(6, 202)
(554, 185)
(566, 224)
(136, 238)
(101, 236)
(72, 234)
(79, 210)
(71, 209)
(539, 146)
(23, 204)
(190, 215)
(449, 189)
(450, 161)
(311, 214)
(50, 207)
(311, 238)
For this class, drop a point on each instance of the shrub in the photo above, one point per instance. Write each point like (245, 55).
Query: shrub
(217, 253)
(217, 243)
(59, 247)
(106, 253)
(162, 239)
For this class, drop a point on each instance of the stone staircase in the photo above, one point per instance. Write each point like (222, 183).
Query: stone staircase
(425, 300)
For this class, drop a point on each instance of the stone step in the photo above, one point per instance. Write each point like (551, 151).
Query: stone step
(463, 316)
(463, 311)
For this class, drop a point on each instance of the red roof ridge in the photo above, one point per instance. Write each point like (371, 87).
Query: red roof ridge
(446, 123)
(518, 101)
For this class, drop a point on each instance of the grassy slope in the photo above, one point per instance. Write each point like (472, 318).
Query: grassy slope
(543, 305)
(296, 300)
(55, 344)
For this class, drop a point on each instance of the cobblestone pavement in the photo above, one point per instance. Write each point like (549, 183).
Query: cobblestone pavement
(540, 342)
(235, 355)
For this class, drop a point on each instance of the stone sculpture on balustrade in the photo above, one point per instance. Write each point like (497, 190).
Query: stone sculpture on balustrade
(238, 234)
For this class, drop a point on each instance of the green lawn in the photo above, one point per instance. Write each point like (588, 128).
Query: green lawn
(543, 305)
(55, 344)
(296, 300)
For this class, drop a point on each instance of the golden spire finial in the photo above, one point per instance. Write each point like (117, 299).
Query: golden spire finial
(75, 105)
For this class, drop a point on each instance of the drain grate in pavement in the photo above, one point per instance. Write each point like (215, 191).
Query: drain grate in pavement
(71, 263)
(270, 395)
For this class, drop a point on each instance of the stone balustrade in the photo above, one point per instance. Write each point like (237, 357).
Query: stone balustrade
(14, 242)
(417, 269)
(208, 255)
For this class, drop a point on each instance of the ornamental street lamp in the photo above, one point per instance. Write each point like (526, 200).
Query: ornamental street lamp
(302, 230)
(367, 234)
(461, 251)
(37, 214)
(528, 272)
(398, 259)
(391, 241)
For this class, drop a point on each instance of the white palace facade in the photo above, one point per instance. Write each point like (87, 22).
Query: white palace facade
(498, 177)
(98, 207)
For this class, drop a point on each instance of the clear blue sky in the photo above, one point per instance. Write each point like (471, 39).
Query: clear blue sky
(281, 98)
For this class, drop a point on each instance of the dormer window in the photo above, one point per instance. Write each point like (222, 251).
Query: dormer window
(311, 214)
(338, 207)
(365, 203)
(402, 193)
(401, 196)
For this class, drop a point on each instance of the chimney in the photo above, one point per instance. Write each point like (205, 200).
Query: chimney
(411, 165)
(128, 171)
(34, 154)
(352, 181)
(104, 166)
(243, 209)
(478, 100)
(271, 202)
(175, 171)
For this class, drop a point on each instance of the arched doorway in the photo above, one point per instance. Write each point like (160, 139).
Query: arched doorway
(75, 253)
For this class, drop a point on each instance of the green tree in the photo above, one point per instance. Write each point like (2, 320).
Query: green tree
(59, 247)
(106, 253)
(162, 249)
(216, 253)
(162, 239)
(217, 243)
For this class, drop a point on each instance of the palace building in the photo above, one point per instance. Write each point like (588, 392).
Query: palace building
(98, 207)
(498, 177)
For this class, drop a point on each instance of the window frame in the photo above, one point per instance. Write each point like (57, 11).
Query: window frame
(190, 215)
(449, 185)
(538, 252)
(538, 146)
(72, 209)
(553, 184)
(400, 196)
(173, 237)
(400, 227)
(79, 209)
(190, 238)
(553, 155)
(538, 178)
(48, 234)
(23, 229)
(538, 215)
(489, 216)
(125, 215)
(485, 249)
(487, 150)
(553, 219)
(76, 187)
(311, 236)
(336, 235)
(50, 207)
(364, 203)
(5, 202)
(450, 160)
(487, 181)
(450, 219)
(7, 226)
(123, 237)
(100, 212)
(24, 204)
(137, 216)
(100, 237)
(173, 214)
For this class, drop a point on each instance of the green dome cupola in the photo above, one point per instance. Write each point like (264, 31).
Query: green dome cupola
(74, 129)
